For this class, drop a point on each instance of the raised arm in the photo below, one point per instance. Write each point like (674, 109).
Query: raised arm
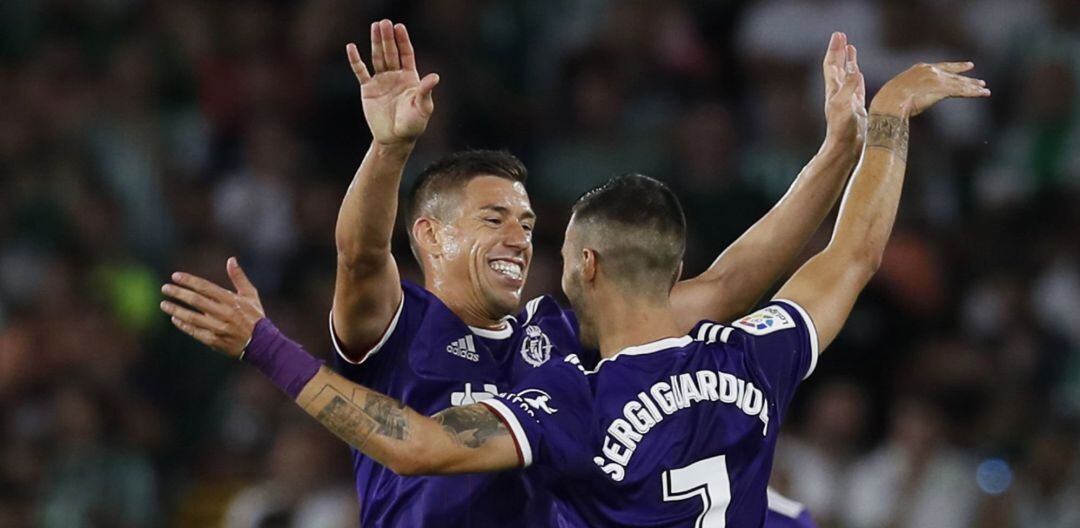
(462, 439)
(751, 265)
(828, 284)
(397, 106)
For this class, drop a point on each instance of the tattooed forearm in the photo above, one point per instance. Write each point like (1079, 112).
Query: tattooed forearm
(355, 423)
(390, 414)
(471, 426)
(888, 132)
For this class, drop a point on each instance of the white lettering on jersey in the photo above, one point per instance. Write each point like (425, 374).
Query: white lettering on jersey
(668, 397)
(468, 396)
(765, 321)
(464, 348)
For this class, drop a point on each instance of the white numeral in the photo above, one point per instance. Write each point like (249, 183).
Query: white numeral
(706, 478)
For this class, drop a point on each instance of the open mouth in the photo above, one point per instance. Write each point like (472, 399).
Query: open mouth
(507, 268)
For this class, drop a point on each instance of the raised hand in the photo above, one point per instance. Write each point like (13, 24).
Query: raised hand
(845, 92)
(219, 318)
(397, 102)
(924, 85)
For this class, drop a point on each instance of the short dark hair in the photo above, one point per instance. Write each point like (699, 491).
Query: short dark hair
(454, 171)
(637, 227)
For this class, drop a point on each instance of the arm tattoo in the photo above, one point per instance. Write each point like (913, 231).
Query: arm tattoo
(889, 133)
(471, 426)
(355, 423)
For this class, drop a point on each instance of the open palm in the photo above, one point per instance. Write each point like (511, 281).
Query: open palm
(397, 103)
(845, 91)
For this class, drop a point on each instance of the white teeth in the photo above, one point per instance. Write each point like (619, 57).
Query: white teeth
(509, 269)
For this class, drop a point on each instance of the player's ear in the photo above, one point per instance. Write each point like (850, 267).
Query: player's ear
(678, 273)
(426, 233)
(588, 265)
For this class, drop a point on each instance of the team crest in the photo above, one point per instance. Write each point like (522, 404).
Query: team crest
(536, 348)
(765, 321)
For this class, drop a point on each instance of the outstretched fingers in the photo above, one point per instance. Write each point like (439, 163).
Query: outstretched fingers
(358, 67)
(955, 67)
(389, 44)
(378, 59)
(190, 317)
(833, 64)
(240, 279)
(405, 47)
(202, 335)
(427, 84)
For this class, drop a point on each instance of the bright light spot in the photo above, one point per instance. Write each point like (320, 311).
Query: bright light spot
(994, 476)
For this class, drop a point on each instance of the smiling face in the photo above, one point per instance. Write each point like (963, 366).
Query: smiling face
(481, 250)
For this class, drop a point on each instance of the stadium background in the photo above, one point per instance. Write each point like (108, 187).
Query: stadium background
(142, 137)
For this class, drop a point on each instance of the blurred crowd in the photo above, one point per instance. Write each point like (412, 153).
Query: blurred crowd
(139, 137)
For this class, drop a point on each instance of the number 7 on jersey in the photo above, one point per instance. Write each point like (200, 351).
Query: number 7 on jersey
(707, 478)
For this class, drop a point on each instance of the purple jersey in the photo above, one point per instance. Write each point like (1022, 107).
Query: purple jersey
(678, 432)
(430, 360)
(786, 513)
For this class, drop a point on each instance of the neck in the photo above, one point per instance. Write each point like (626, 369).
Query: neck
(629, 321)
(463, 303)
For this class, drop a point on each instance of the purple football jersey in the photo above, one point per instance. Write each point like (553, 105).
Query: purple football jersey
(786, 513)
(676, 433)
(430, 360)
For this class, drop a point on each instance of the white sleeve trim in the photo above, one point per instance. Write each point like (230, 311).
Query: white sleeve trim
(516, 431)
(811, 329)
(382, 340)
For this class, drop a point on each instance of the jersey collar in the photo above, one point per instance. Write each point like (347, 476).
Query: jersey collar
(647, 348)
(506, 331)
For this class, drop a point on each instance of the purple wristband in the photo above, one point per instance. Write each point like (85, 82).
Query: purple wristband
(279, 358)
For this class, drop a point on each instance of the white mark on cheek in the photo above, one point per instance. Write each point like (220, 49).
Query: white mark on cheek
(451, 245)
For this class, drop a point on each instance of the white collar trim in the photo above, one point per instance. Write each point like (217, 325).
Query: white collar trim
(506, 331)
(647, 348)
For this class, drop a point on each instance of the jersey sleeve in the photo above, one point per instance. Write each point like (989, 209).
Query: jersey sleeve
(549, 415)
(397, 336)
(780, 340)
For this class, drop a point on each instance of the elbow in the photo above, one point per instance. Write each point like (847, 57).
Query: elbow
(868, 261)
(864, 260)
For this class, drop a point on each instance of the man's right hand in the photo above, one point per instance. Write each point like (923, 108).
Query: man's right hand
(397, 103)
(924, 85)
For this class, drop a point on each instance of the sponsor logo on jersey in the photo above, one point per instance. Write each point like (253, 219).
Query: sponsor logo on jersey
(766, 321)
(536, 347)
(469, 396)
(531, 400)
(464, 348)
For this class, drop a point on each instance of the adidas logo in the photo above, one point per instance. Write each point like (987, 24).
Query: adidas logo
(464, 348)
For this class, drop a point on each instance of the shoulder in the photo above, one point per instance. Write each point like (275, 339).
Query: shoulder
(542, 307)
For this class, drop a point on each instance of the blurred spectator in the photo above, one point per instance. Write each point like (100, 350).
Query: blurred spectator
(915, 479)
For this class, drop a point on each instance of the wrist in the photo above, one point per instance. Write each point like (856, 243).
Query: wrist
(837, 145)
(890, 106)
(397, 150)
(288, 366)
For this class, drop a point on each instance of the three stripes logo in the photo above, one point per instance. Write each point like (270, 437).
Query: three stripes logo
(464, 348)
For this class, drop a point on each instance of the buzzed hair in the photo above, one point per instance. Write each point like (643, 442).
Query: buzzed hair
(637, 226)
(450, 174)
